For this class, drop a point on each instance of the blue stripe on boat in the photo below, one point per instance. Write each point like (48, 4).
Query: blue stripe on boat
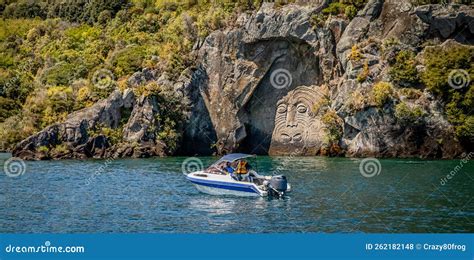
(224, 185)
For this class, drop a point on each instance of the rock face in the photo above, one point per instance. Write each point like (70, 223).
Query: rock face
(252, 72)
(141, 119)
(77, 137)
(444, 20)
(275, 83)
(199, 135)
(239, 91)
(73, 133)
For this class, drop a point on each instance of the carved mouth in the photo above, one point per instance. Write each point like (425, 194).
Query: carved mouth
(295, 138)
(285, 138)
(298, 137)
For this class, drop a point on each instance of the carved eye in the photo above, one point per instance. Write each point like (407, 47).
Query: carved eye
(281, 109)
(301, 108)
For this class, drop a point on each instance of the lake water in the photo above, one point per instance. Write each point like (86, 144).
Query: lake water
(153, 196)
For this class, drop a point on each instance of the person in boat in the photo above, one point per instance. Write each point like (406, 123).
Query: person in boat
(218, 169)
(242, 170)
(228, 168)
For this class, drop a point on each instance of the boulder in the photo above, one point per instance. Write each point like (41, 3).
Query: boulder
(448, 21)
(74, 130)
(140, 77)
(142, 121)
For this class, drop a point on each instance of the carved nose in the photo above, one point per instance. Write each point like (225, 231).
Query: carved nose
(290, 119)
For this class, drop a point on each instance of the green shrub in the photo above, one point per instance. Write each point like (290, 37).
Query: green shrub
(317, 20)
(78, 37)
(8, 108)
(403, 72)
(212, 20)
(63, 73)
(321, 105)
(113, 135)
(333, 125)
(16, 27)
(410, 93)
(24, 9)
(364, 73)
(15, 129)
(16, 85)
(459, 113)
(128, 60)
(382, 93)
(334, 8)
(465, 131)
(355, 54)
(54, 108)
(388, 43)
(409, 115)
(147, 89)
(61, 148)
(169, 135)
(170, 119)
(104, 17)
(72, 10)
(439, 64)
(350, 12)
(348, 8)
(279, 3)
(42, 149)
(60, 98)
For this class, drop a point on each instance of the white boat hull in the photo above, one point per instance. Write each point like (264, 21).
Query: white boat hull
(218, 191)
(220, 184)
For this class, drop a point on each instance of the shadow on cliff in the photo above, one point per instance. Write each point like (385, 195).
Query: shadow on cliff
(199, 135)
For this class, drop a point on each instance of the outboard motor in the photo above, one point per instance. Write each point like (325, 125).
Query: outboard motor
(279, 184)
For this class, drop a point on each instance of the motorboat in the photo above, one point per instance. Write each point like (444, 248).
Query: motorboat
(219, 180)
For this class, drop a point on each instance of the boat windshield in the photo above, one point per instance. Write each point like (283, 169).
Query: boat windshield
(219, 167)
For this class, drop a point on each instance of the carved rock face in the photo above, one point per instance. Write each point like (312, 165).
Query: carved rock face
(298, 130)
(237, 63)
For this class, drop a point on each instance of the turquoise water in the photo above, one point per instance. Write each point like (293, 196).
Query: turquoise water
(152, 195)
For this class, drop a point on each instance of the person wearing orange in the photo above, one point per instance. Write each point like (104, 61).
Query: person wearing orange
(242, 170)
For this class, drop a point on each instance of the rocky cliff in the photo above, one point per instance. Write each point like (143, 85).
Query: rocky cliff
(284, 81)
